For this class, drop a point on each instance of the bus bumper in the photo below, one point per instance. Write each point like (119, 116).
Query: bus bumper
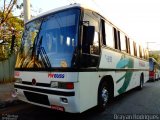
(61, 100)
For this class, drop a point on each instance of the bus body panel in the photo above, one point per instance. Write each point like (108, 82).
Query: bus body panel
(54, 99)
(88, 84)
(72, 106)
(127, 69)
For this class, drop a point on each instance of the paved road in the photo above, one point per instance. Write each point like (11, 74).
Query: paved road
(145, 101)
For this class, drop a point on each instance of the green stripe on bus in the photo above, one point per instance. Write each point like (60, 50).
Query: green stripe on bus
(123, 63)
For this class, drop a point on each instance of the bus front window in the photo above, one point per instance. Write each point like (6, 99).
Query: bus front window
(49, 41)
(151, 65)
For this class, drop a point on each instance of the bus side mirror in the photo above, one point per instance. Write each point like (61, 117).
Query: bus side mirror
(88, 37)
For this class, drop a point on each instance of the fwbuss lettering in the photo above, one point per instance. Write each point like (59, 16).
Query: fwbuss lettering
(52, 75)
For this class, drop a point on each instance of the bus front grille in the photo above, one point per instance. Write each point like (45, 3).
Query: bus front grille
(37, 98)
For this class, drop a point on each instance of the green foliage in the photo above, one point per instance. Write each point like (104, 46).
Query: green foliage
(7, 8)
(156, 56)
(12, 25)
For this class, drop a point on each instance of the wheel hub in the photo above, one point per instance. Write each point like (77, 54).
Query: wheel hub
(104, 96)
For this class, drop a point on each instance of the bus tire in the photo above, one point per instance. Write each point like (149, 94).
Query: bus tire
(103, 96)
(141, 83)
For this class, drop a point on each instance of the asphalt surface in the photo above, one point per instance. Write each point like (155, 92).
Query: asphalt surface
(6, 94)
(136, 104)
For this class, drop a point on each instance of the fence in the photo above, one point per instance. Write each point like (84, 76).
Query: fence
(7, 69)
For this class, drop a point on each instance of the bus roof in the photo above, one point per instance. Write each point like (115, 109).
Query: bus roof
(62, 8)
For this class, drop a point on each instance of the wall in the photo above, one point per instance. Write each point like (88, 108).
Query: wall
(7, 69)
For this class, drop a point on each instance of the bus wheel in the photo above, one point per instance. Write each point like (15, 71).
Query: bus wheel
(103, 96)
(141, 83)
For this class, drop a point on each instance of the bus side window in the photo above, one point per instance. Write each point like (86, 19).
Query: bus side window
(123, 42)
(140, 52)
(109, 35)
(135, 49)
(95, 47)
(103, 32)
(144, 52)
(137, 46)
(131, 47)
(147, 55)
(92, 21)
(117, 39)
(127, 44)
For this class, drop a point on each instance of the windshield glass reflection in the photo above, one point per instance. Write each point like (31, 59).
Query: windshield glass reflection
(50, 41)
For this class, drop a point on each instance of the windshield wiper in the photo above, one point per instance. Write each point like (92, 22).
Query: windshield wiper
(44, 57)
(41, 51)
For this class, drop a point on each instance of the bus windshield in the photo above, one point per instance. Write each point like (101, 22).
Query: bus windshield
(151, 65)
(50, 41)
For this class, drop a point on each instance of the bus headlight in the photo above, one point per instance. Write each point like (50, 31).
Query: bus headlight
(18, 80)
(62, 85)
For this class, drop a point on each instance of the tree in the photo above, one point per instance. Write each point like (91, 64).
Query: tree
(6, 10)
(9, 26)
(12, 27)
(156, 56)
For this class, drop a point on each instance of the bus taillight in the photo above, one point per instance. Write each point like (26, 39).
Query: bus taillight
(151, 73)
(69, 86)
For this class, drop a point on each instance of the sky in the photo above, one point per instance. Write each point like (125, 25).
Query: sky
(140, 19)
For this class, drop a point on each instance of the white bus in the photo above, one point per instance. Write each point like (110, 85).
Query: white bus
(72, 59)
